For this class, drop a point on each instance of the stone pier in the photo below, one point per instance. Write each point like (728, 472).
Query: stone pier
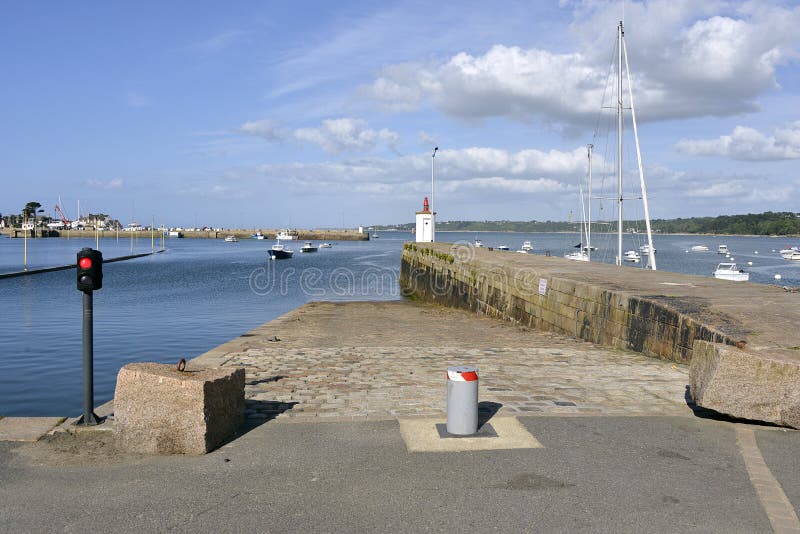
(746, 333)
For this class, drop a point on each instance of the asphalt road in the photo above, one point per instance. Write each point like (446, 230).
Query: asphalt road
(593, 474)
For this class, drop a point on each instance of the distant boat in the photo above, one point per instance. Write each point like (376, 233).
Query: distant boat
(325, 245)
(728, 271)
(286, 235)
(526, 245)
(279, 252)
(375, 236)
(644, 250)
(787, 252)
(578, 255)
(502, 247)
(631, 256)
(231, 239)
(478, 243)
(258, 235)
(699, 248)
(521, 251)
(723, 249)
(308, 247)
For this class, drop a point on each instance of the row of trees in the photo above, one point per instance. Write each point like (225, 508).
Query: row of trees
(32, 211)
(767, 223)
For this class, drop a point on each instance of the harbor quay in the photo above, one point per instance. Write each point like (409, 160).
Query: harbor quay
(315, 235)
(342, 402)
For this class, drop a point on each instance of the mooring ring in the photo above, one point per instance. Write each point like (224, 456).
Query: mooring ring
(182, 365)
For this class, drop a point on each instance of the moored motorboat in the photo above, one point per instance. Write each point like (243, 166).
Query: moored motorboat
(325, 245)
(723, 249)
(308, 247)
(279, 252)
(699, 248)
(526, 245)
(644, 250)
(729, 271)
(231, 239)
(478, 243)
(631, 256)
(502, 247)
(286, 235)
(258, 235)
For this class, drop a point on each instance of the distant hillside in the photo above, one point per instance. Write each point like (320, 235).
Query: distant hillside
(768, 223)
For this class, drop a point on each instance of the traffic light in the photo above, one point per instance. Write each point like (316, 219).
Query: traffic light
(90, 269)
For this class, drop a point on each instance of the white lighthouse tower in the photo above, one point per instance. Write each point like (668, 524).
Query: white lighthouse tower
(425, 224)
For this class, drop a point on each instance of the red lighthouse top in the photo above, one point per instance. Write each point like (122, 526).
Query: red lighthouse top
(425, 206)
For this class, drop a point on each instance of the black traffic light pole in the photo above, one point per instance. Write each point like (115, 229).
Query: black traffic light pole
(90, 277)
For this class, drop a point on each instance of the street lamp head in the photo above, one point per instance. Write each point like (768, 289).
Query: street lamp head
(434, 151)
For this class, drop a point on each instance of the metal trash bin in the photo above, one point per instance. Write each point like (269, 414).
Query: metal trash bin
(462, 400)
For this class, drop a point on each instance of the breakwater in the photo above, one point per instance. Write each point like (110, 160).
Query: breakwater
(740, 340)
(308, 235)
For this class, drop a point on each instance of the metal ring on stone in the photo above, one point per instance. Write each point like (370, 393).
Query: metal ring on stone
(182, 365)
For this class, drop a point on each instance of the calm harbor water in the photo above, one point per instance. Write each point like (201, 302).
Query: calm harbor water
(200, 293)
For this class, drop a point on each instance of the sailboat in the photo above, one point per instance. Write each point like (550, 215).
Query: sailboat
(584, 252)
(622, 52)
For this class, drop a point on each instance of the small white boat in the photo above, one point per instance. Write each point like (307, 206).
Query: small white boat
(578, 255)
(644, 250)
(794, 256)
(308, 247)
(325, 245)
(231, 239)
(699, 248)
(521, 251)
(375, 236)
(257, 235)
(526, 245)
(286, 235)
(787, 252)
(279, 252)
(478, 243)
(729, 271)
(632, 256)
(723, 249)
(502, 247)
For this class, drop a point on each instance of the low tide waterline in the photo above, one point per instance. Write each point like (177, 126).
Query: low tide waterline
(201, 293)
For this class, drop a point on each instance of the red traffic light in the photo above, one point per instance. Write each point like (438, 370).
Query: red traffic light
(85, 263)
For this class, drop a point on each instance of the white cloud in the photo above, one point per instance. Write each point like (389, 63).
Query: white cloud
(333, 135)
(748, 144)
(114, 183)
(684, 63)
(265, 128)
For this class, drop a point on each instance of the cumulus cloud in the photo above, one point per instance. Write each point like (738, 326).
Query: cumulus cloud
(333, 135)
(114, 183)
(685, 63)
(748, 144)
(346, 135)
(479, 170)
(265, 128)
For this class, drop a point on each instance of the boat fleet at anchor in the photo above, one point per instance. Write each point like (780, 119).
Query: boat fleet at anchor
(278, 251)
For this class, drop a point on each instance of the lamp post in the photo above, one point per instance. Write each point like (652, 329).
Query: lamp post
(433, 160)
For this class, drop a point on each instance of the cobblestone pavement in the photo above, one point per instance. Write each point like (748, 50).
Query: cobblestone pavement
(388, 360)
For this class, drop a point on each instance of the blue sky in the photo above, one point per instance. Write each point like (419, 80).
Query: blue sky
(323, 114)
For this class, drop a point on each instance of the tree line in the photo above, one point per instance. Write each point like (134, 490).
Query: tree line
(767, 223)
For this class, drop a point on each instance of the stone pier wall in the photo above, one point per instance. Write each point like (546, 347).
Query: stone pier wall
(533, 297)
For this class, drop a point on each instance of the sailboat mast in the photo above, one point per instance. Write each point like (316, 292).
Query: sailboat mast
(589, 211)
(651, 260)
(619, 143)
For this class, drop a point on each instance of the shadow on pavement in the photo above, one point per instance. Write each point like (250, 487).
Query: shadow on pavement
(487, 410)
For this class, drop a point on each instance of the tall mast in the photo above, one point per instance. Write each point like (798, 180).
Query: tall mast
(589, 211)
(651, 258)
(619, 143)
